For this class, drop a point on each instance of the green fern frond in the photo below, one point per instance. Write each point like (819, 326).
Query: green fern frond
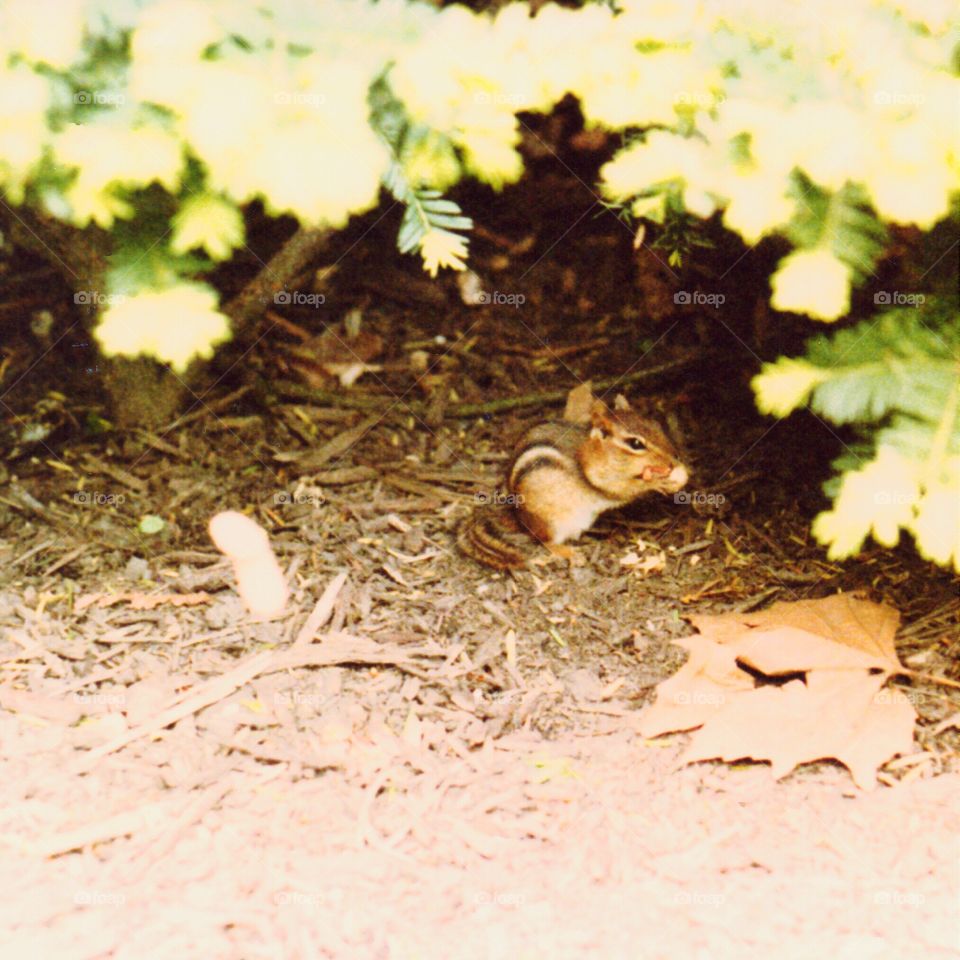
(842, 222)
(426, 208)
(901, 360)
(896, 378)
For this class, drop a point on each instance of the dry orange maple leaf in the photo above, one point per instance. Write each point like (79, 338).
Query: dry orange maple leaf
(793, 684)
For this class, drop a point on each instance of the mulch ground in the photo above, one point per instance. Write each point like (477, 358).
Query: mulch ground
(448, 765)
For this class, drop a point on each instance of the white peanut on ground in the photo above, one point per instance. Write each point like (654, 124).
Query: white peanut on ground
(260, 580)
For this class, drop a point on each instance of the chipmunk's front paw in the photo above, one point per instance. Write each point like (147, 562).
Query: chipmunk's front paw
(564, 552)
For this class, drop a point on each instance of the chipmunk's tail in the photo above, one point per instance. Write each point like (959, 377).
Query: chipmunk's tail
(482, 537)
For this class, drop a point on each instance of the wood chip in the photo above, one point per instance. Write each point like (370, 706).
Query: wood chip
(119, 825)
(394, 574)
(158, 443)
(401, 525)
(322, 611)
(338, 446)
(140, 601)
(425, 490)
(65, 559)
(94, 465)
(510, 647)
(344, 476)
(39, 548)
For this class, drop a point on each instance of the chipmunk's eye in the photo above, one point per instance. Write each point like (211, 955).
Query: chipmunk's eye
(635, 443)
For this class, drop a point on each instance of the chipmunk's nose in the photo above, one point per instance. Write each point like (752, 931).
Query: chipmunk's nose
(679, 476)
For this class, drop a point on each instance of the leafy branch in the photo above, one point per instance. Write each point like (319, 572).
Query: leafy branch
(427, 210)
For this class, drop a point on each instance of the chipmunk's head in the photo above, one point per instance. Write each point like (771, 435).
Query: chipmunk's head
(627, 455)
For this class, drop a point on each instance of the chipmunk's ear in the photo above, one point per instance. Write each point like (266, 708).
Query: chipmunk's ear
(620, 402)
(579, 404)
(600, 417)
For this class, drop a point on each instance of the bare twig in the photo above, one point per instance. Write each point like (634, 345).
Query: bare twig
(206, 409)
(210, 692)
(259, 293)
(459, 410)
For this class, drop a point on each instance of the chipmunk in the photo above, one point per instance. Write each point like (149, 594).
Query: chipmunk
(564, 474)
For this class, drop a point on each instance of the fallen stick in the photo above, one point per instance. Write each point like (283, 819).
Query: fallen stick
(206, 694)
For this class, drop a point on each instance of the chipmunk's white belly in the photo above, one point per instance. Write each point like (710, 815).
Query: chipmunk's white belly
(580, 518)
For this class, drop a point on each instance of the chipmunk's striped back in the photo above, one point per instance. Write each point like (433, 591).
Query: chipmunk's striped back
(552, 443)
